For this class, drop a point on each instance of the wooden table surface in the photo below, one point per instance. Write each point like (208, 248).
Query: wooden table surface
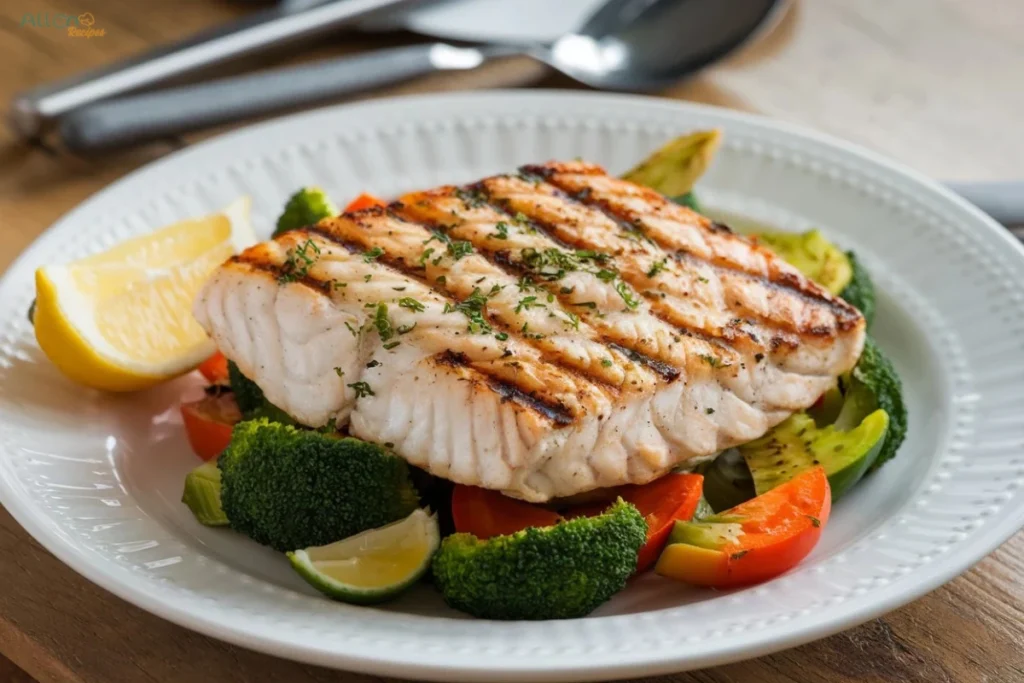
(934, 83)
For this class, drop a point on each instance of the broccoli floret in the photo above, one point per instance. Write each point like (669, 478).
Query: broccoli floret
(291, 489)
(305, 207)
(877, 373)
(860, 292)
(250, 398)
(248, 394)
(559, 572)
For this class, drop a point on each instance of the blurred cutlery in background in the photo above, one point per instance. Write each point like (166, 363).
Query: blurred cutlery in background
(32, 112)
(632, 45)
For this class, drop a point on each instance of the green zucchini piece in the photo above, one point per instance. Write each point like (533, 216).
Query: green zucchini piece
(673, 169)
(812, 255)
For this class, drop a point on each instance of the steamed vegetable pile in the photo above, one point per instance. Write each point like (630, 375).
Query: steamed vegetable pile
(355, 519)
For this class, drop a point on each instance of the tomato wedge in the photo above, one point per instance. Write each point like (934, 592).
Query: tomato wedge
(662, 502)
(754, 541)
(485, 513)
(208, 424)
(364, 201)
(215, 368)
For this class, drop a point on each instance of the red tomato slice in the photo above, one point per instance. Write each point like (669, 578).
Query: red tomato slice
(215, 368)
(208, 424)
(662, 502)
(754, 541)
(485, 513)
(364, 201)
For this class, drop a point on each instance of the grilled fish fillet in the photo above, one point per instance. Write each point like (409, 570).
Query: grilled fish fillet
(543, 334)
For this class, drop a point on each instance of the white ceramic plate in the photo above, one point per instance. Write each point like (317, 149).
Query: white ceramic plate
(96, 479)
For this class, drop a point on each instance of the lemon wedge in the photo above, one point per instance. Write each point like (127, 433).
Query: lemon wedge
(122, 320)
(375, 565)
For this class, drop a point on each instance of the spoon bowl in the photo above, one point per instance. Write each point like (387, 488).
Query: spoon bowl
(640, 45)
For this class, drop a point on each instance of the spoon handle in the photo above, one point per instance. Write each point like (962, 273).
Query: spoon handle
(166, 113)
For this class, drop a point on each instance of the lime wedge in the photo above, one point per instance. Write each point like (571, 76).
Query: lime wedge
(375, 565)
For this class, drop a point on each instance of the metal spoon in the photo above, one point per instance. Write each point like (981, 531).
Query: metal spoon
(626, 45)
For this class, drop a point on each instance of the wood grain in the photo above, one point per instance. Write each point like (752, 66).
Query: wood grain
(934, 83)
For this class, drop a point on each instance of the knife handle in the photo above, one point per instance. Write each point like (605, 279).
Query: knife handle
(33, 111)
(165, 113)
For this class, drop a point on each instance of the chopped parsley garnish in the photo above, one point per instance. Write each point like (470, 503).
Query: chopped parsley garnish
(354, 331)
(373, 363)
(298, 262)
(573, 320)
(501, 231)
(703, 279)
(338, 371)
(528, 302)
(520, 218)
(713, 361)
(391, 345)
(473, 307)
(456, 249)
(382, 322)
(361, 388)
(605, 275)
(606, 362)
(627, 294)
(471, 199)
(368, 278)
(657, 267)
(501, 336)
(459, 248)
(411, 304)
(372, 255)
(709, 411)
(406, 329)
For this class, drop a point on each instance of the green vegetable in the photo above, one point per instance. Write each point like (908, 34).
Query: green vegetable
(674, 168)
(290, 488)
(305, 207)
(689, 200)
(875, 372)
(812, 255)
(860, 292)
(798, 444)
(202, 495)
(559, 572)
(251, 400)
(703, 510)
(727, 481)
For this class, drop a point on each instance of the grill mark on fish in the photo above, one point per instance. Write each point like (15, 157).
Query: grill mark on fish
(502, 258)
(262, 263)
(555, 412)
(781, 325)
(668, 372)
(715, 336)
(493, 258)
(587, 380)
(847, 317)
